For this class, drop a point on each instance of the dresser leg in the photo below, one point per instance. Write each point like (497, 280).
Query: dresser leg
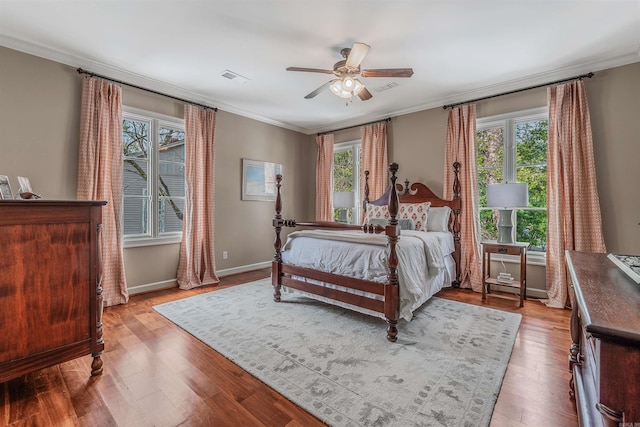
(96, 366)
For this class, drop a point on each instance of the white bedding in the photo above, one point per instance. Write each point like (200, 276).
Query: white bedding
(425, 264)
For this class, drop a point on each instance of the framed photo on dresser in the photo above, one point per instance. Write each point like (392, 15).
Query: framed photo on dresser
(5, 188)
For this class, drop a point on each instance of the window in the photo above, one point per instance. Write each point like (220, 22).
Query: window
(346, 179)
(154, 178)
(513, 148)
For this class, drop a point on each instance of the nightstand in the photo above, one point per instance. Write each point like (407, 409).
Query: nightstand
(492, 247)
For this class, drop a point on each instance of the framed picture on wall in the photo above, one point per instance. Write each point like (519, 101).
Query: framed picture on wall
(259, 180)
(5, 188)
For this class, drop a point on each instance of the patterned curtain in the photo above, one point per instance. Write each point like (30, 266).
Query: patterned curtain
(197, 265)
(461, 147)
(374, 159)
(100, 176)
(324, 178)
(573, 207)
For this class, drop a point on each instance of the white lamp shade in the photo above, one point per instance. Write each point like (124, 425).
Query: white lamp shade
(510, 195)
(343, 199)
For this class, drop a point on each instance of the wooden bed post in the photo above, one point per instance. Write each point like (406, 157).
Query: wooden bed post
(276, 265)
(391, 290)
(365, 201)
(456, 224)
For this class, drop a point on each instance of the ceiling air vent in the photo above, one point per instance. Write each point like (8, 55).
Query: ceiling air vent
(386, 87)
(235, 77)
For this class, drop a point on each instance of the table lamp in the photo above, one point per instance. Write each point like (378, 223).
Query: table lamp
(506, 197)
(343, 200)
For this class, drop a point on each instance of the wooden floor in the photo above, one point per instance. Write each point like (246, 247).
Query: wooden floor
(155, 374)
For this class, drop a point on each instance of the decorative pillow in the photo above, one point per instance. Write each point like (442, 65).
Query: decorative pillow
(405, 224)
(418, 212)
(438, 219)
(376, 212)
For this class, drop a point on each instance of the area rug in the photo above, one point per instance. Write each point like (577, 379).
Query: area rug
(445, 370)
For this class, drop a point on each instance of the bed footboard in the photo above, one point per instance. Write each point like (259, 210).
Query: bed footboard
(283, 274)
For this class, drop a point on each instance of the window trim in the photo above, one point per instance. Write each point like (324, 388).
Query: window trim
(157, 120)
(533, 257)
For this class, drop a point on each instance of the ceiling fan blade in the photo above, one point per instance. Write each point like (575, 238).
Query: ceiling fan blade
(317, 91)
(365, 94)
(387, 72)
(310, 70)
(357, 54)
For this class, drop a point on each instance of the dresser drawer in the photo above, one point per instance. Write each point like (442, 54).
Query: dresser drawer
(590, 348)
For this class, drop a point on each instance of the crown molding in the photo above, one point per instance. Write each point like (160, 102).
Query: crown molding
(120, 74)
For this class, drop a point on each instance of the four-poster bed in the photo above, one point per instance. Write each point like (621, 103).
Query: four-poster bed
(361, 289)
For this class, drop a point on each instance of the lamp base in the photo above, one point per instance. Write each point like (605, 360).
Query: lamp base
(505, 226)
(343, 216)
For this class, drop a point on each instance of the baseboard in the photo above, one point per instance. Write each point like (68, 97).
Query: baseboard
(165, 284)
(243, 269)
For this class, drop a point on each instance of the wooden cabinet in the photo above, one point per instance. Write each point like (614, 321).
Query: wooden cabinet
(605, 329)
(50, 290)
(492, 247)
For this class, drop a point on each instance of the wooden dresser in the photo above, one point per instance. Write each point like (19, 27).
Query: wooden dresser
(50, 290)
(605, 329)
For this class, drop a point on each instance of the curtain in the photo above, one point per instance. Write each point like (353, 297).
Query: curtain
(324, 178)
(461, 147)
(100, 164)
(374, 159)
(573, 207)
(197, 266)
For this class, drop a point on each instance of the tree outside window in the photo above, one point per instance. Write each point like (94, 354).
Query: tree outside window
(154, 175)
(514, 149)
(346, 177)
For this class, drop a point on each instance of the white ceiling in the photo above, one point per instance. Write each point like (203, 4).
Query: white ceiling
(458, 50)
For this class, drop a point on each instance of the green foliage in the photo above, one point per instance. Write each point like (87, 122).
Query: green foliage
(531, 167)
(343, 170)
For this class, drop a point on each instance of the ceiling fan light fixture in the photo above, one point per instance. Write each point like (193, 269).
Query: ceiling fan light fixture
(348, 83)
(336, 86)
(358, 86)
(346, 87)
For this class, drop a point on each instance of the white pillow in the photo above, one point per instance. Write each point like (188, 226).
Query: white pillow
(438, 219)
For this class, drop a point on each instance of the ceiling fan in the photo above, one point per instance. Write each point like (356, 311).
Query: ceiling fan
(346, 85)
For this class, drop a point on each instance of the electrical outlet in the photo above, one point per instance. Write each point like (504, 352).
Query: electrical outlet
(225, 255)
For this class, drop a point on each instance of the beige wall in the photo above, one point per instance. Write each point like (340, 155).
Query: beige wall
(39, 122)
(614, 104)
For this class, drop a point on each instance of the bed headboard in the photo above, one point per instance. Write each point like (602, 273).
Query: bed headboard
(418, 193)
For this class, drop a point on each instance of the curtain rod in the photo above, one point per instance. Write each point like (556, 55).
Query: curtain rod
(588, 75)
(81, 71)
(388, 119)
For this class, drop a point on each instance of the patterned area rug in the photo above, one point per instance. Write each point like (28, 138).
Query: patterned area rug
(445, 370)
